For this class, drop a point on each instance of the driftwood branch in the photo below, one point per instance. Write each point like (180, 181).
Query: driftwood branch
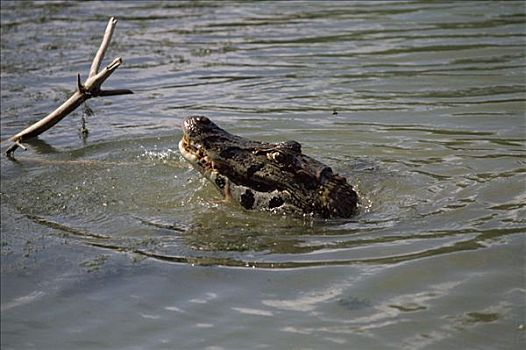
(95, 65)
(90, 88)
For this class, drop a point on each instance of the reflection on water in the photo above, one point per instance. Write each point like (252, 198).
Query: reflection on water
(420, 105)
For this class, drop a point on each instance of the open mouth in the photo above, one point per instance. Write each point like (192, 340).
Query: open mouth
(195, 154)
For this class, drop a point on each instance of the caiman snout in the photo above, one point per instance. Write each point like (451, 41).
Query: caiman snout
(196, 124)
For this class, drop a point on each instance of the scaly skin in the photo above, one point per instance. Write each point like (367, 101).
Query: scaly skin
(265, 175)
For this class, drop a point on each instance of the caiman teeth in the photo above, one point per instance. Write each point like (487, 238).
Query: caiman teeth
(195, 154)
(183, 148)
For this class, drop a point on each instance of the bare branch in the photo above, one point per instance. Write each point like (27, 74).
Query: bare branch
(114, 92)
(80, 87)
(51, 119)
(90, 88)
(95, 65)
(94, 82)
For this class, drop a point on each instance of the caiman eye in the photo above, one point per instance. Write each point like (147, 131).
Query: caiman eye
(202, 120)
(324, 174)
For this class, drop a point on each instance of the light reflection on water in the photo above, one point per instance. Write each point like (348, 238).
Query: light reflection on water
(420, 105)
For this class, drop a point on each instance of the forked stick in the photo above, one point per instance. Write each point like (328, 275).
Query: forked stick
(99, 56)
(90, 88)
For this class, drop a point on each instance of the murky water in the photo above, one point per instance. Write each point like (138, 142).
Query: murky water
(113, 241)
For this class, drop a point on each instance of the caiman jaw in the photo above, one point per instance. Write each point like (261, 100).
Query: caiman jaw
(196, 156)
(185, 149)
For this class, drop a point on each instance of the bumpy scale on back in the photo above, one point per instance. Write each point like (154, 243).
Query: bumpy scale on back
(265, 175)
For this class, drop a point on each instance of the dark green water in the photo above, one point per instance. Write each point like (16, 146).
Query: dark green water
(113, 242)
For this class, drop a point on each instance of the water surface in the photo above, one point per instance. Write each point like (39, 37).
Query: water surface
(113, 241)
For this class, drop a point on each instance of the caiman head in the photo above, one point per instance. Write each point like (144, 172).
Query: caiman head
(265, 175)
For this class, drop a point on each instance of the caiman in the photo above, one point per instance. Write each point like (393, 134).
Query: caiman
(260, 175)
